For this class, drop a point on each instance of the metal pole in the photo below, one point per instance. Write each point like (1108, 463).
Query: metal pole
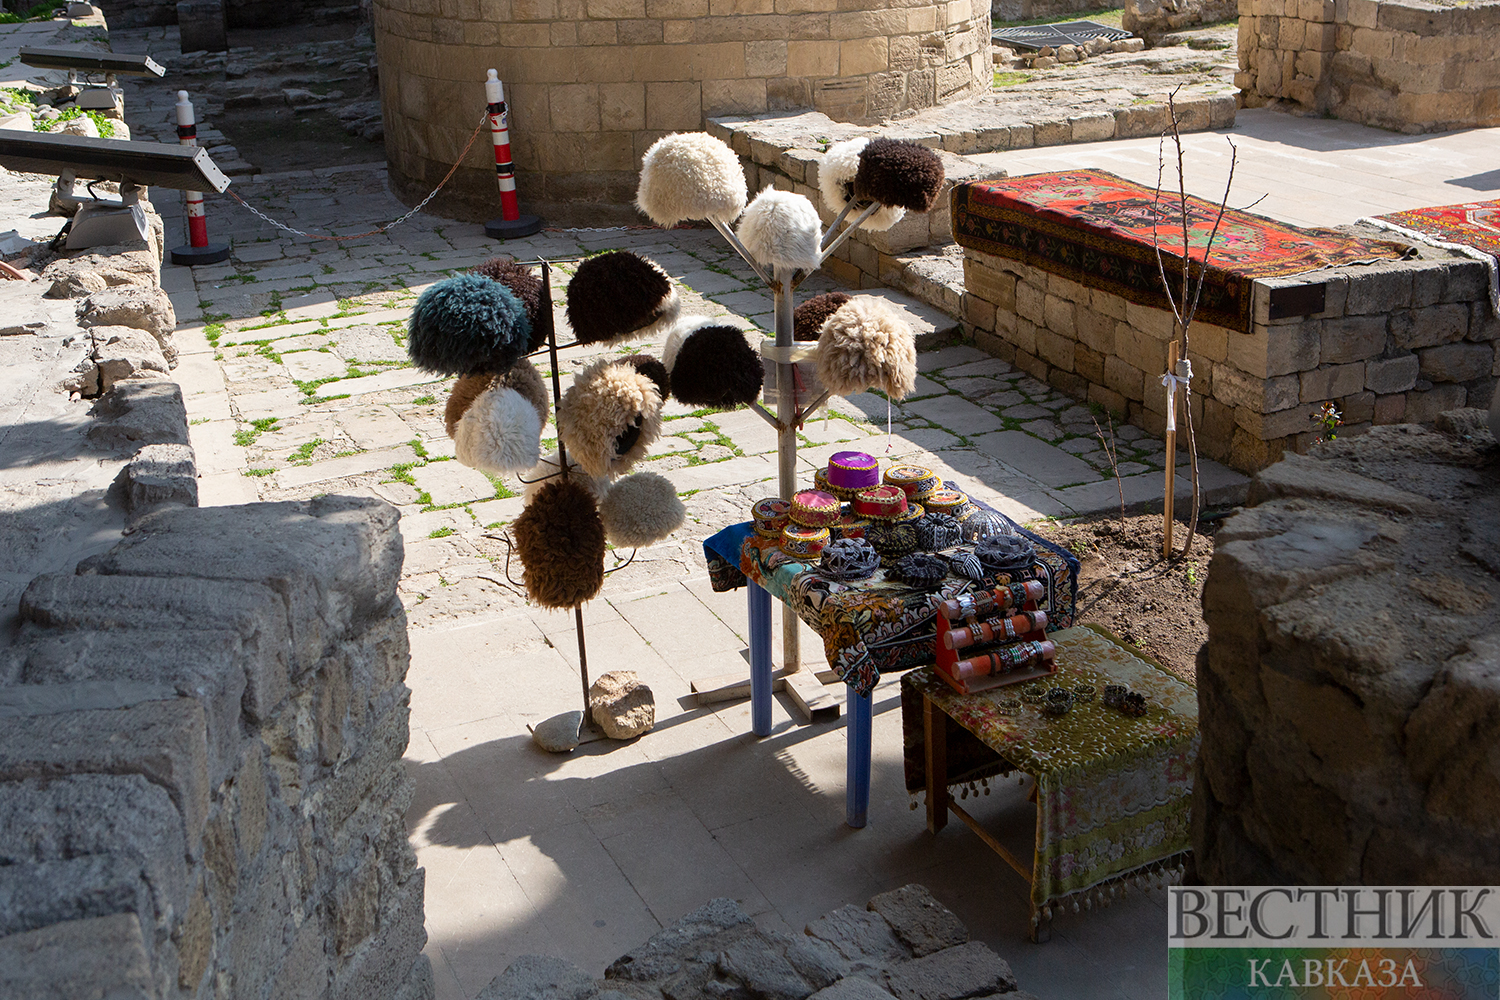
(758, 602)
(583, 662)
(786, 444)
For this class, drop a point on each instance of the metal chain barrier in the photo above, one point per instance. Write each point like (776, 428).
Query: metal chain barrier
(380, 229)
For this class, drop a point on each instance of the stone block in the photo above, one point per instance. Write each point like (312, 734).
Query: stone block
(659, 956)
(1332, 382)
(674, 106)
(1389, 375)
(860, 936)
(158, 474)
(134, 414)
(1456, 362)
(134, 306)
(168, 747)
(1093, 127)
(96, 957)
(334, 561)
(121, 352)
(1358, 408)
(978, 312)
(1424, 407)
(1124, 378)
(203, 26)
(384, 963)
(1058, 317)
(1030, 302)
(924, 924)
(1429, 327)
(538, 977)
(1355, 338)
(1157, 323)
(1390, 409)
(968, 970)
(992, 285)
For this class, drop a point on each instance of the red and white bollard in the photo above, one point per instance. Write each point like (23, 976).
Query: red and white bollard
(198, 250)
(511, 224)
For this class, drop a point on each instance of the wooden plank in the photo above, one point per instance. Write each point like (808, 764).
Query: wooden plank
(812, 697)
(730, 687)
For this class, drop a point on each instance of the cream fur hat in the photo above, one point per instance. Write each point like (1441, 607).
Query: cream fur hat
(783, 229)
(866, 344)
(499, 432)
(689, 176)
(640, 510)
(609, 417)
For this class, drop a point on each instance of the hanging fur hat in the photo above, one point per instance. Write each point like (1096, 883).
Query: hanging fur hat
(560, 540)
(809, 317)
(712, 365)
(782, 229)
(525, 284)
(499, 433)
(521, 376)
(609, 417)
(620, 296)
(867, 345)
(467, 325)
(836, 182)
(898, 172)
(641, 510)
(689, 176)
(652, 369)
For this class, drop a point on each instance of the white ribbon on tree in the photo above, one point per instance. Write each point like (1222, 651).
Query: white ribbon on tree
(1183, 378)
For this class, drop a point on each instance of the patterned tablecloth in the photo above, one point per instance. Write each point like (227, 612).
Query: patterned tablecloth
(870, 626)
(1113, 792)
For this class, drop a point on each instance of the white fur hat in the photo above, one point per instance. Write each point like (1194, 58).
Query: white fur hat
(640, 510)
(836, 182)
(689, 176)
(782, 229)
(500, 432)
(866, 344)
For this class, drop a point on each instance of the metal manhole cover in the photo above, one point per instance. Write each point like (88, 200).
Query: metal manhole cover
(1034, 36)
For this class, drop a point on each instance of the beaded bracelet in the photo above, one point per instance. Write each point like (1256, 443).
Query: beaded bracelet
(1133, 704)
(1058, 701)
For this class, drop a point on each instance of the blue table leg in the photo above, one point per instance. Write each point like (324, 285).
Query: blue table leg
(857, 761)
(759, 601)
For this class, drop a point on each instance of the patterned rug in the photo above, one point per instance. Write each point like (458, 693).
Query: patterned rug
(1472, 229)
(1097, 229)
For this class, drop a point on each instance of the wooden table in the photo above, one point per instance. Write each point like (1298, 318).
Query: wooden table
(1112, 792)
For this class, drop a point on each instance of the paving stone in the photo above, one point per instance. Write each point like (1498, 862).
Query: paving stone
(309, 342)
(398, 378)
(925, 386)
(1044, 429)
(1037, 459)
(764, 971)
(852, 988)
(951, 357)
(374, 426)
(1081, 446)
(968, 970)
(267, 403)
(860, 936)
(925, 438)
(956, 413)
(452, 482)
(983, 366)
(920, 920)
(310, 366)
(1025, 411)
(368, 343)
(1001, 399)
(340, 468)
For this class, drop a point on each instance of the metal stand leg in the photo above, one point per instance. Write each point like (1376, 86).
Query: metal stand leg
(857, 761)
(759, 601)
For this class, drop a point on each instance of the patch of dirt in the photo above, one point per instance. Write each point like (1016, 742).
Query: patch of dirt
(282, 138)
(1126, 586)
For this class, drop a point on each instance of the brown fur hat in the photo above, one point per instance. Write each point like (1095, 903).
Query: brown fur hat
(808, 318)
(609, 417)
(640, 510)
(898, 172)
(525, 284)
(521, 376)
(619, 296)
(867, 345)
(560, 540)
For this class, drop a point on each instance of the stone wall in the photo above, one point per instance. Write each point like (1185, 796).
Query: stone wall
(1347, 693)
(1398, 64)
(1393, 341)
(592, 83)
(201, 788)
(1153, 18)
(1063, 10)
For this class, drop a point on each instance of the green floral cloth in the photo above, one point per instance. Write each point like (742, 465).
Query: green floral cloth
(1113, 792)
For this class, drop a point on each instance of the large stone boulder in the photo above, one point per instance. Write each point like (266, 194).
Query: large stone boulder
(133, 263)
(137, 306)
(1350, 686)
(621, 705)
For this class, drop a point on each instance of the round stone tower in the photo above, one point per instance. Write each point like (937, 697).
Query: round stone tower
(592, 83)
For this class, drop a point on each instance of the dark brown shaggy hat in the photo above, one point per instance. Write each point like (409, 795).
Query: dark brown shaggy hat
(560, 540)
(620, 295)
(808, 318)
(898, 172)
(652, 369)
(713, 365)
(521, 376)
(525, 284)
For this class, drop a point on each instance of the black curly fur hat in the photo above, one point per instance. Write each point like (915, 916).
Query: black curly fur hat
(808, 318)
(525, 284)
(898, 172)
(652, 369)
(467, 325)
(715, 366)
(619, 295)
(560, 540)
